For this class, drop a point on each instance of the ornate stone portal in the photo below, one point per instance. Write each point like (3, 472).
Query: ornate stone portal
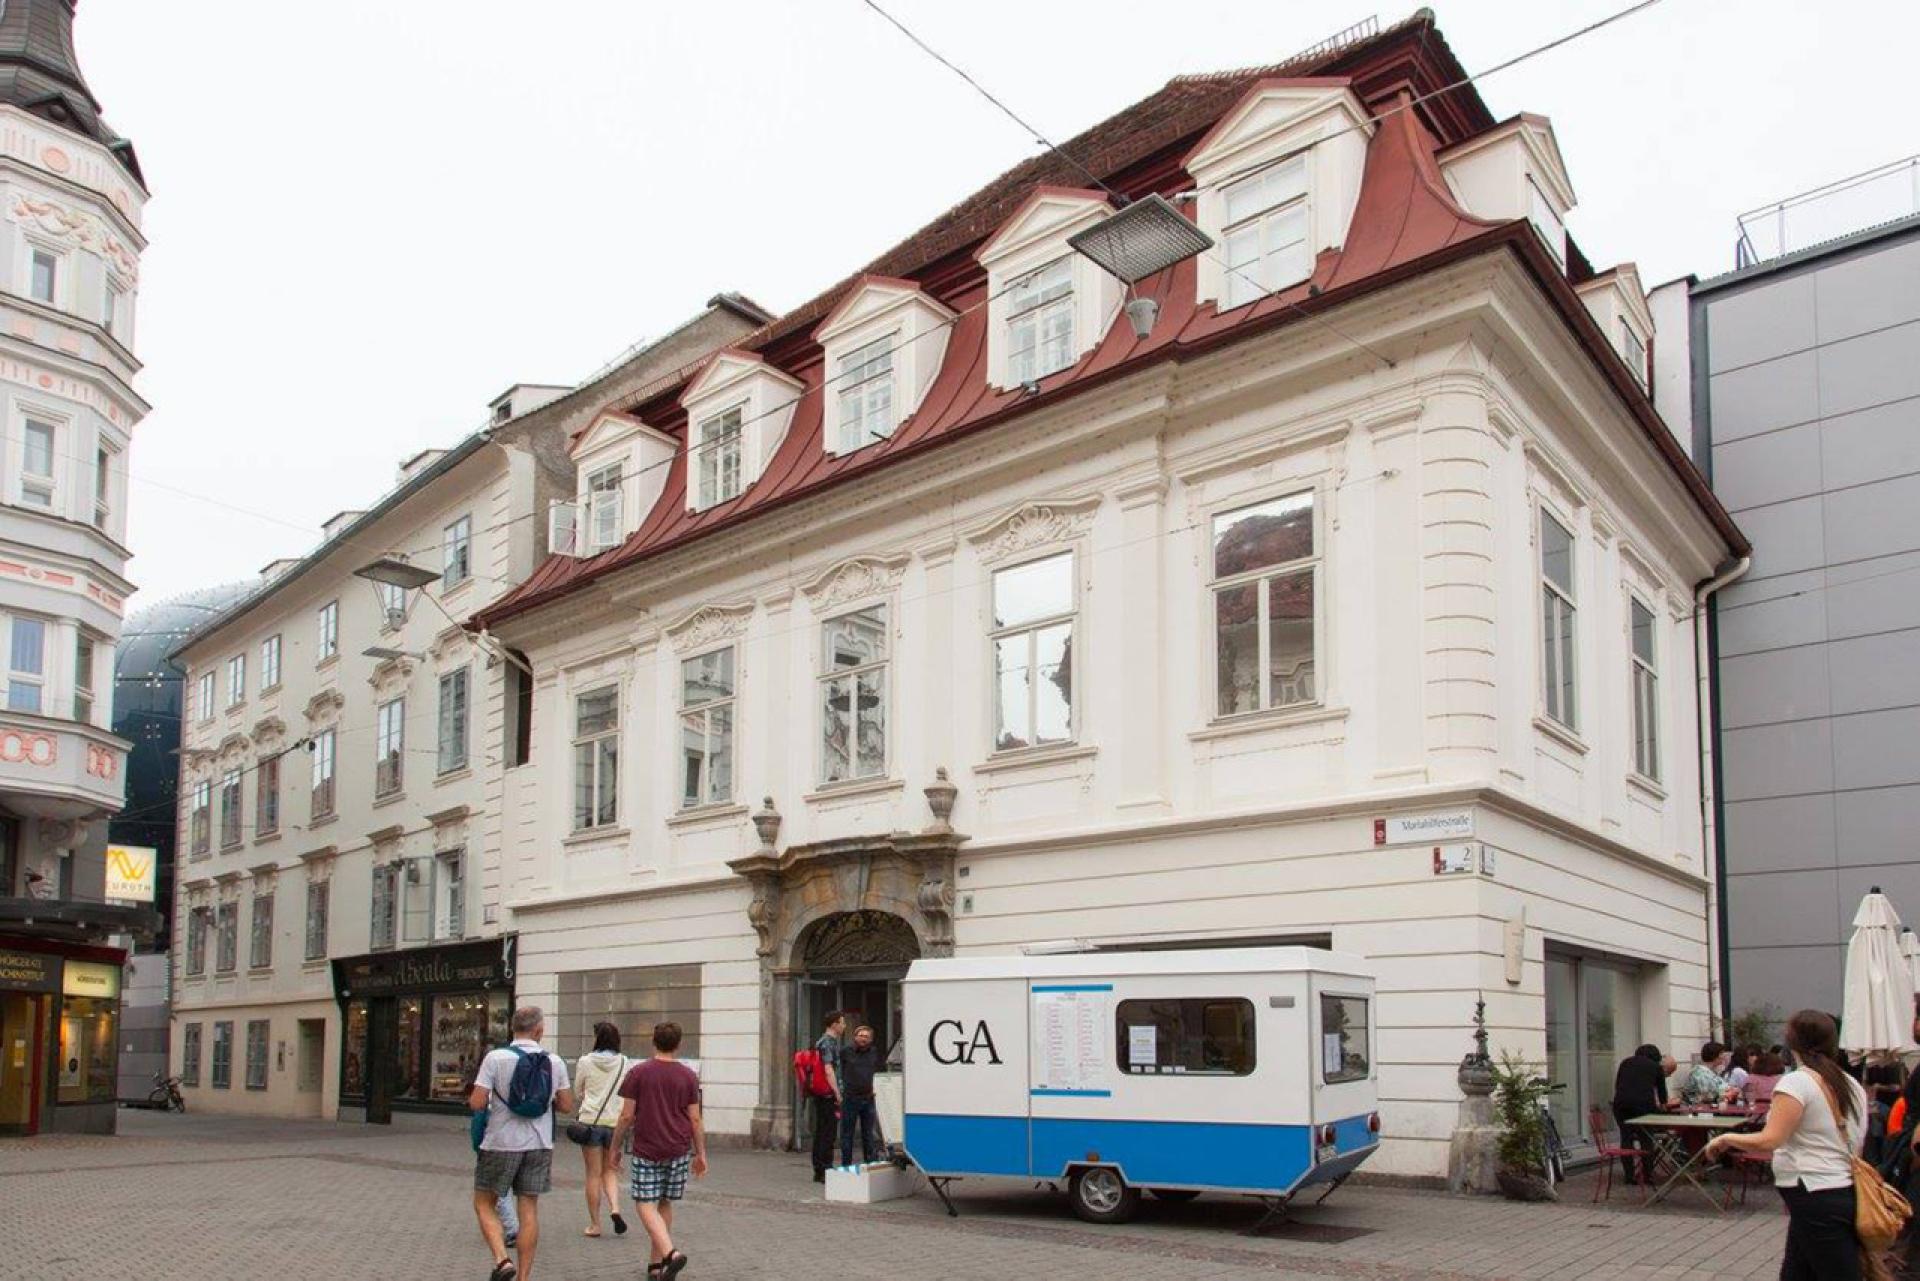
(864, 901)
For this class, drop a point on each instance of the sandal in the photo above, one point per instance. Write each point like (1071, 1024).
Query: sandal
(671, 1266)
(619, 1225)
(503, 1271)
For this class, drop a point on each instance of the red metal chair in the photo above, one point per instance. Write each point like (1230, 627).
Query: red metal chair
(1611, 1152)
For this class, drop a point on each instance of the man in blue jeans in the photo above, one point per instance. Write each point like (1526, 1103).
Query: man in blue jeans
(858, 1064)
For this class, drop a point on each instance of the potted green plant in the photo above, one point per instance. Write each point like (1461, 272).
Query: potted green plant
(1518, 1093)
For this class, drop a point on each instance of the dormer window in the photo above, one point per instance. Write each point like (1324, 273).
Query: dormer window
(865, 379)
(1266, 231)
(1047, 306)
(1634, 352)
(603, 508)
(738, 411)
(718, 457)
(1040, 322)
(1546, 220)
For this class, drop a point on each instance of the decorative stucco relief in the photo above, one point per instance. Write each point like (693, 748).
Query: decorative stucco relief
(855, 578)
(1031, 525)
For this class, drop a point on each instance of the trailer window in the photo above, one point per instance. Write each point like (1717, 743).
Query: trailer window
(1343, 1038)
(1197, 1036)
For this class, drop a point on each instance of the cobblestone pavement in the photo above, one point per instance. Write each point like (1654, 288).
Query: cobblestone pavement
(209, 1197)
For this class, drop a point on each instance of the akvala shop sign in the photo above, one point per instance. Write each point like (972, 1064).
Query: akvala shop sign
(1423, 829)
(130, 872)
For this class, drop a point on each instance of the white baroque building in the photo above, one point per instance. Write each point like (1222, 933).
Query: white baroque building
(71, 200)
(1352, 605)
(340, 942)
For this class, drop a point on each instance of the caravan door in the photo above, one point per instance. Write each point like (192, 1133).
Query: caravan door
(966, 1076)
(1345, 1086)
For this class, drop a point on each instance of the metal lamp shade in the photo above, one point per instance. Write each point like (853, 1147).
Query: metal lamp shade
(1143, 239)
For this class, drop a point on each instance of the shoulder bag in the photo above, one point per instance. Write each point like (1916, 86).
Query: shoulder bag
(1879, 1212)
(581, 1132)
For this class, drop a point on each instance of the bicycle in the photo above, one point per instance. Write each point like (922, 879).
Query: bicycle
(1555, 1154)
(165, 1095)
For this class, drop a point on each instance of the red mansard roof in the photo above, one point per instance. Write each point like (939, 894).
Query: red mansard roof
(1406, 222)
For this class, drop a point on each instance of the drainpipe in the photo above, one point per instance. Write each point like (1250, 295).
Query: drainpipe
(1713, 839)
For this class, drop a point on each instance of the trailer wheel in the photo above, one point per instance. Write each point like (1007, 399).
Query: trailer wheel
(1100, 1195)
(1178, 1196)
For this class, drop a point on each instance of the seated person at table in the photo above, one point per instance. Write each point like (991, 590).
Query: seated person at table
(1639, 1087)
(1764, 1076)
(1706, 1083)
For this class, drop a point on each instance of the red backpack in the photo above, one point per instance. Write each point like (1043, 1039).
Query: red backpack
(810, 1070)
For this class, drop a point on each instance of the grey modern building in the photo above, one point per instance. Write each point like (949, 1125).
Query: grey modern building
(1805, 381)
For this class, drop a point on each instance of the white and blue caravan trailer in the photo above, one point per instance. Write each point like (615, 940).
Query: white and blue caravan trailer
(1246, 1070)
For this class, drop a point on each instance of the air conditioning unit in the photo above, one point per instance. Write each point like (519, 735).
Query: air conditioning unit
(563, 528)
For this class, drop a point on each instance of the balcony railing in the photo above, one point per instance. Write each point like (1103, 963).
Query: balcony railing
(1865, 200)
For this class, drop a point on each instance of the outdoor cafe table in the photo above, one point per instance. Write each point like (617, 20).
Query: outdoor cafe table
(1670, 1130)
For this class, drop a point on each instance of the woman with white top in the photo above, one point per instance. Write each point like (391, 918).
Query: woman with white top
(596, 1083)
(1813, 1152)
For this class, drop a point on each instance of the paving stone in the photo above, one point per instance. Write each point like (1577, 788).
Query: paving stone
(204, 1197)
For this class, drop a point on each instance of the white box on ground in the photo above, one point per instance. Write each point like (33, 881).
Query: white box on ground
(865, 1184)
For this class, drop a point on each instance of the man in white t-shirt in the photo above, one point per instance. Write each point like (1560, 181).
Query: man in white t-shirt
(517, 1153)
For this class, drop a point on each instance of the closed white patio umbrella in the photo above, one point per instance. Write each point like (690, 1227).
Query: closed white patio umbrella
(1877, 1016)
(1910, 949)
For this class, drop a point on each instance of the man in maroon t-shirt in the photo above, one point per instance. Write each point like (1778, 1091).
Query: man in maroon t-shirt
(662, 1113)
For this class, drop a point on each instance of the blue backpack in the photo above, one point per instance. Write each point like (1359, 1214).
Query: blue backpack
(530, 1092)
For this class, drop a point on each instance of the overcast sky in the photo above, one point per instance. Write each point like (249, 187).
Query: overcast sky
(371, 217)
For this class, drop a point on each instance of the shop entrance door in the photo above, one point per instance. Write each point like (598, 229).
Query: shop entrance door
(383, 1033)
(23, 1018)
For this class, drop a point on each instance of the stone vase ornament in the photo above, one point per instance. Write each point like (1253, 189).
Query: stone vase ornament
(1473, 1160)
(941, 794)
(766, 823)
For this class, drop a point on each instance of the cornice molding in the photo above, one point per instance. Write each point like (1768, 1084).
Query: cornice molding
(853, 579)
(1041, 523)
(709, 625)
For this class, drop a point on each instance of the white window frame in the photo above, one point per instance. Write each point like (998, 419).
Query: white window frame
(600, 788)
(453, 724)
(829, 675)
(190, 1054)
(1313, 565)
(1643, 673)
(203, 697)
(328, 640)
(323, 790)
(232, 814)
(1251, 279)
(26, 679)
(86, 659)
(702, 713)
(1031, 629)
(456, 553)
(1634, 352)
(57, 264)
(1546, 220)
(865, 406)
(270, 663)
(383, 925)
(449, 895)
(1046, 304)
(1560, 606)
(236, 681)
(390, 748)
(103, 460)
(44, 487)
(113, 292)
(606, 504)
(319, 901)
(720, 455)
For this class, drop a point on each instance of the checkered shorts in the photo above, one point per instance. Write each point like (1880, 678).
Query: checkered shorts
(521, 1173)
(660, 1180)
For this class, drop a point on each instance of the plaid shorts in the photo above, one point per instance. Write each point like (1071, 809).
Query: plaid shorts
(521, 1173)
(660, 1180)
